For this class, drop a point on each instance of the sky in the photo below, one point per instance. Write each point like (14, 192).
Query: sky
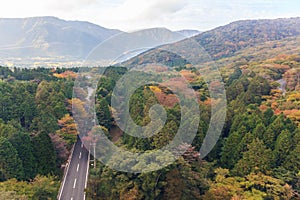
(130, 15)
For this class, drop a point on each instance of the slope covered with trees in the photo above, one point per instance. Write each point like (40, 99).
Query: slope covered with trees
(33, 144)
(256, 157)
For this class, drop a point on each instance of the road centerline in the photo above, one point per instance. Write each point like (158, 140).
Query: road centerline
(74, 186)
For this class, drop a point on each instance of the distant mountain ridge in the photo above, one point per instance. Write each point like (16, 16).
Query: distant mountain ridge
(59, 40)
(49, 37)
(44, 40)
(224, 41)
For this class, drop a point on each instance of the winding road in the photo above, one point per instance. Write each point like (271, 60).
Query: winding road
(75, 179)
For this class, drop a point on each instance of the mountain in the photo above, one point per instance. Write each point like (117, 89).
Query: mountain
(49, 37)
(52, 41)
(42, 40)
(128, 45)
(224, 41)
(227, 41)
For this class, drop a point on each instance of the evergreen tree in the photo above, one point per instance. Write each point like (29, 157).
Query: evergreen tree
(44, 154)
(257, 158)
(103, 113)
(259, 131)
(10, 163)
(268, 116)
(230, 154)
(292, 162)
(283, 146)
(23, 145)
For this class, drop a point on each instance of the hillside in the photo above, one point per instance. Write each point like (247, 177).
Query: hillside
(49, 37)
(257, 152)
(239, 41)
(224, 41)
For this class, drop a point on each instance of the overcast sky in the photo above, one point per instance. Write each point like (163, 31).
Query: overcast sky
(130, 15)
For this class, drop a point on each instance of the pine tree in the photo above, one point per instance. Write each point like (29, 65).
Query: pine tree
(103, 113)
(44, 154)
(283, 146)
(230, 155)
(259, 131)
(10, 163)
(292, 162)
(257, 158)
(23, 145)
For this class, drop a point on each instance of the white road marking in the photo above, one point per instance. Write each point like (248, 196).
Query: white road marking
(80, 155)
(88, 167)
(71, 198)
(81, 145)
(77, 167)
(74, 186)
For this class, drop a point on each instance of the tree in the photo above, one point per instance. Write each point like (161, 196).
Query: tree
(258, 87)
(257, 158)
(50, 102)
(44, 154)
(242, 146)
(230, 154)
(283, 146)
(60, 147)
(10, 163)
(259, 131)
(68, 129)
(223, 187)
(164, 137)
(268, 116)
(273, 132)
(103, 113)
(292, 162)
(182, 182)
(22, 143)
(45, 188)
(7, 130)
(11, 195)
(235, 75)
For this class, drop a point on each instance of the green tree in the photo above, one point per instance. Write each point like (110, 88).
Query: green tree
(10, 163)
(103, 113)
(243, 145)
(273, 132)
(44, 154)
(22, 143)
(257, 158)
(292, 162)
(45, 188)
(283, 146)
(230, 154)
(259, 131)
(268, 116)
(258, 86)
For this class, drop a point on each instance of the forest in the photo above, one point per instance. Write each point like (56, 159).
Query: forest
(256, 157)
(33, 144)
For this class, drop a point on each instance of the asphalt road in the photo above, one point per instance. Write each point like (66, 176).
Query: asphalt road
(75, 179)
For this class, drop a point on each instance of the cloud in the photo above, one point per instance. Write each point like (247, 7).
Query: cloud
(162, 8)
(139, 14)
